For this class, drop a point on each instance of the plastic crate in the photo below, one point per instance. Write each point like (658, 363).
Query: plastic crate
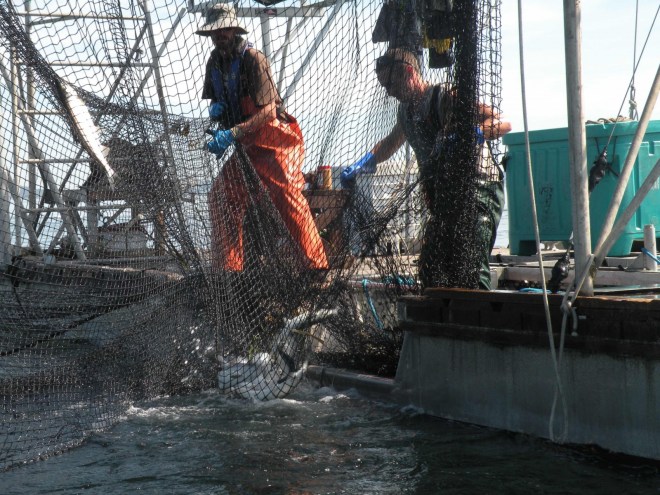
(550, 167)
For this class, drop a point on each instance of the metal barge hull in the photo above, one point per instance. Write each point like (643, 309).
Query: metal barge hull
(484, 358)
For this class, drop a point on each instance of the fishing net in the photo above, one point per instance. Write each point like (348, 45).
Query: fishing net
(134, 263)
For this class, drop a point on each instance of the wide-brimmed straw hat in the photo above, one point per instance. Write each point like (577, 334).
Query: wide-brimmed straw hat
(220, 16)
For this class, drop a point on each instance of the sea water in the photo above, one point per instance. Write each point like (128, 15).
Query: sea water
(502, 238)
(318, 441)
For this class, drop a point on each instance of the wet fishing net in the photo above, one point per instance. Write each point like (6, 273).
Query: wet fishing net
(135, 263)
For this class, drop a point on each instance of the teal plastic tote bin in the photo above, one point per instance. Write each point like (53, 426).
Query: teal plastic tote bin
(550, 166)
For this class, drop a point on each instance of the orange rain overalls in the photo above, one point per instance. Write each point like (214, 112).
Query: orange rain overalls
(276, 152)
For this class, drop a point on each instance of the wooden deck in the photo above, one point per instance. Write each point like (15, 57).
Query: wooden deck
(614, 325)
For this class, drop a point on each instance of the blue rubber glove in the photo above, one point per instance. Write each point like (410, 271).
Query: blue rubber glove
(479, 134)
(365, 164)
(222, 139)
(481, 139)
(216, 109)
(452, 140)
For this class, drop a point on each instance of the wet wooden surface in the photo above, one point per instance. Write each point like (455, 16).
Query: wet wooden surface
(612, 324)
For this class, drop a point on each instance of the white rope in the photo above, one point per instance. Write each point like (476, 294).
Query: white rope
(558, 389)
(636, 62)
(632, 102)
(556, 362)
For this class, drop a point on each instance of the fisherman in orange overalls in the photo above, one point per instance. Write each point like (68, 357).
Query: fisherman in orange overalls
(245, 102)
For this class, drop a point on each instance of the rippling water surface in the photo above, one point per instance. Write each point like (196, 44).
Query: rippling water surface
(318, 442)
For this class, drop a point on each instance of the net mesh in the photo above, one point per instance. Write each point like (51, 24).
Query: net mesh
(115, 284)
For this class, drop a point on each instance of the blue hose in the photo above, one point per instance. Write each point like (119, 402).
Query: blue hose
(535, 290)
(365, 286)
(650, 255)
(399, 280)
(531, 290)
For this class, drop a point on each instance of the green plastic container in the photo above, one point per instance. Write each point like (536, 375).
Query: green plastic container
(550, 166)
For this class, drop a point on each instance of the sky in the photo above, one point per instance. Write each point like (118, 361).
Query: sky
(608, 46)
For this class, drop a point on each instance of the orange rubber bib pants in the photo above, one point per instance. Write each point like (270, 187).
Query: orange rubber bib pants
(277, 152)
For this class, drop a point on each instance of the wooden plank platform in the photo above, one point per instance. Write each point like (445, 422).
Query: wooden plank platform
(614, 325)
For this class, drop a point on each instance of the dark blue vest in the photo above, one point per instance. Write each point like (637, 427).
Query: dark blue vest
(227, 88)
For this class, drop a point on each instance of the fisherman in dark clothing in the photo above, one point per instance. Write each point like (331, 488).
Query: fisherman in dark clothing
(421, 121)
